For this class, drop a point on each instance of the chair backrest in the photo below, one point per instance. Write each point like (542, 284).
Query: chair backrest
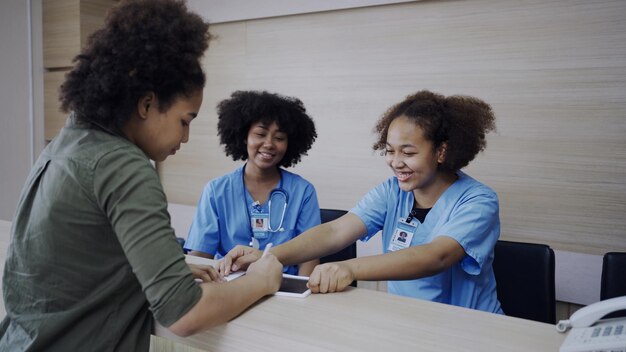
(525, 280)
(181, 242)
(613, 282)
(344, 254)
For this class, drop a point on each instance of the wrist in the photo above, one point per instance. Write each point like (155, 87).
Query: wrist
(353, 268)
(262, 282)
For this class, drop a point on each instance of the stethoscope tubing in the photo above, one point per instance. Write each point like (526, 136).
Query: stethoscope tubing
(276, 191)
(269, 209)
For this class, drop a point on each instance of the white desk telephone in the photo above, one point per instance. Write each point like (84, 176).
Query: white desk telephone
(590, 334)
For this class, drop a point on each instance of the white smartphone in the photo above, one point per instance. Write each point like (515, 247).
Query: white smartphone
(294, 286)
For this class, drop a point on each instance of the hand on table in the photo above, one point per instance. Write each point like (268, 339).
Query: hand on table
(330, 277)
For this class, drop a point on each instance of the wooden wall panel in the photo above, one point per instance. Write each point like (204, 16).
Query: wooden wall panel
(66, 25)
(554, 72)
(54, 118)
(92, 13)
(217, 11)
(61, 32)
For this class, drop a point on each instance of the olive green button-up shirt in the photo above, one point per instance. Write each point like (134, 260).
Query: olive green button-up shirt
(92, 255)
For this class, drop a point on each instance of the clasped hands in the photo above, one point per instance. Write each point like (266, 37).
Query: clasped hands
(268, 269)
(325, 278)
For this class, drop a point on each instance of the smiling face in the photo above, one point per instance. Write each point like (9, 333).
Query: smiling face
(266, 145)
(160, 134)
(412, 158)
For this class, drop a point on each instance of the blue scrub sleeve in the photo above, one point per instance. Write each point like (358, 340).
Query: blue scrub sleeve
(472, 224)
(204, 231)
(309, 215)
(372, 209)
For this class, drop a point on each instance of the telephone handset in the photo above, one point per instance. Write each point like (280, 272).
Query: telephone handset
(607, 334)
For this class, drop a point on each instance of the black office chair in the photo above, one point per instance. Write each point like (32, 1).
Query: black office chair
(525, 280)
(613, 282)
(344, 254)
(181, 242)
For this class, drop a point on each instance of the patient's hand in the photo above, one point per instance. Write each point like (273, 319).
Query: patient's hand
(238, 259)
(206, 273)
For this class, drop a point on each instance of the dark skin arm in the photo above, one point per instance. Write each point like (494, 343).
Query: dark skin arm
(410, 263)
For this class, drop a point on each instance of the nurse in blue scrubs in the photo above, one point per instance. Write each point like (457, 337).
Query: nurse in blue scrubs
(439, 225)
(259, 202)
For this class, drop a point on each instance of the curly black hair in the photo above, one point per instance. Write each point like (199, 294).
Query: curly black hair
(244, 108)
(459, 121)
(144, 46)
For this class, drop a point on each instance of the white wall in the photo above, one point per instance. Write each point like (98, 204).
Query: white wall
(218, 11)
(15, 102)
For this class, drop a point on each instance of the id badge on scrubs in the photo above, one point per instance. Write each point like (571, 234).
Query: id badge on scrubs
(259, 223)
(402, 235)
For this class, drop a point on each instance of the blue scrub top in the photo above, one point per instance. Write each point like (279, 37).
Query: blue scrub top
(467, 212)
(222, 221)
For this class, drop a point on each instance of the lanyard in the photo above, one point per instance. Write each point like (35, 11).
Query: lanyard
(256, 205)
(412, 215)
(417, 213)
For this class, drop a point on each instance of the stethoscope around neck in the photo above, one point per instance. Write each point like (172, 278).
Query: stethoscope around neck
(277, 195)
(278, 198)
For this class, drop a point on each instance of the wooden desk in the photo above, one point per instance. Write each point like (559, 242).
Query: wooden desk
(361, 320)
(366, 320)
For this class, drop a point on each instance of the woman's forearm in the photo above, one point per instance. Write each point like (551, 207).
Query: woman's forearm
(321, 240)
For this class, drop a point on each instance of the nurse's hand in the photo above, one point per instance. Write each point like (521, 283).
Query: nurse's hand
(206, 273)
(238, 259)
(330, 277)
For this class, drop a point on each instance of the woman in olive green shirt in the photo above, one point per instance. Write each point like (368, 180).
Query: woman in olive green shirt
(92, 256)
